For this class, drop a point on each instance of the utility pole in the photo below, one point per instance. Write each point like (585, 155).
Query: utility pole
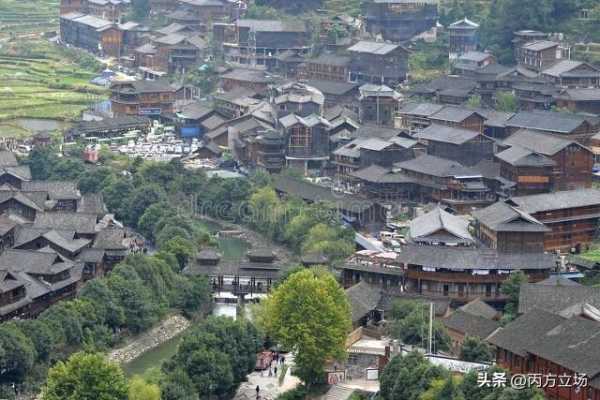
(430, 328)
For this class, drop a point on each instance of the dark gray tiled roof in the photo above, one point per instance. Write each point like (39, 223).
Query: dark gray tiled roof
(92, 203)
(471, 325)
(23, 198)
(557, 280)
(91, 255)
(420, 109)
(435, 166)
(332, 87)
(110, 239)
(573, 345)
(314, 193)
(6, 225)
(444, 83)
(447, 134)
(57, 190)
(70, 221)
(547, 145)
(503, 217)
(145, 86)
(436, 221)
(376, 174)
(196, 110)
(330, 59)
(556, 298)
(453, 114)
(248, 75)
(453, 258)
(363, 298)
(480, 308)
(520, 157)
(9, 281)
(557, 201)
(582, 94)
(33, 262)
(520, 335)
(476, 56)
(21, 172)
(547, 121)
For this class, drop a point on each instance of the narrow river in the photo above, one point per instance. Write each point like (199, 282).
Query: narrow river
(231, 249)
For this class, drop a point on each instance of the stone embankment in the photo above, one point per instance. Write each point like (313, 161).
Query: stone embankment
(166, 330)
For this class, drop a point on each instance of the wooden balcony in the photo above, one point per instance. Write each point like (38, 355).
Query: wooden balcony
(463, 277)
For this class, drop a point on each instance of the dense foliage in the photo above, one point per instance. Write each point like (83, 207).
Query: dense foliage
(410, 324)
(512, 288)
(475, 350)
(85, 376)
(499, 19)
(308, 314)
(306, 228)
(138, 293)
(212, 359)
(411, 376)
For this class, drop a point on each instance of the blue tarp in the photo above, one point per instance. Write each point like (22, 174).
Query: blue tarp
(190, 131)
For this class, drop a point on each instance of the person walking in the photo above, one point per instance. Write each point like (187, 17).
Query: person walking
(257, 391)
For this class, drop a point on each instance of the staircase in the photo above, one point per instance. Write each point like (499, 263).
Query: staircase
(338, 393)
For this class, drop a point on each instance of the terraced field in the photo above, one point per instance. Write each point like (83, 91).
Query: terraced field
(45, 83)
(38, 79)
(22, 18)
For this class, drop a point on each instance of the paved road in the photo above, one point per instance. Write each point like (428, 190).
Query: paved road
(269, 385)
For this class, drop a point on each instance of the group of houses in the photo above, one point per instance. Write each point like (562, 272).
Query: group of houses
(52, 239)
(444, 263)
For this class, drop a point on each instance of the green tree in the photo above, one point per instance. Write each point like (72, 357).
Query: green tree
(142, 198)
(177, 385)
(117, 195)
(443, 389)
(508, 16)
(512, 288)
(411, 326)
(85, 376)
(106, 302)
(327, 240)
(474, 101)
(215, 356)
(506, 102)
(93, 181)
(407, 377)
(138, 304)
(151, 216)
(41, 161)
(475, 350)
(182, 248)
(194, 295)
(18, 353)
(41, 337)
(267, 212)
(139, 389)
(310, 315)
(67, 169)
